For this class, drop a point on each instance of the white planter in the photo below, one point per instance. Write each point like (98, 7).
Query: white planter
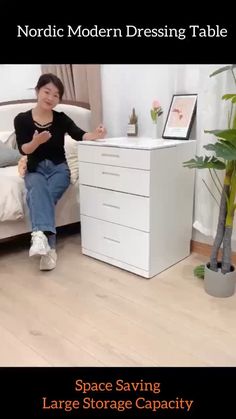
(218, 284)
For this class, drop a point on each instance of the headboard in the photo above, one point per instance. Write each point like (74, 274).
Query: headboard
(78, 111)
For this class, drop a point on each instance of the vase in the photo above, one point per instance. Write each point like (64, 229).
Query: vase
(156, 131)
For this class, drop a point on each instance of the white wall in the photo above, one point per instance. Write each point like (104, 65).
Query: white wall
(126, 87)
(18, 81)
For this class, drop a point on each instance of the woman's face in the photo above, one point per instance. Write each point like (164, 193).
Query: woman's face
(48, 96)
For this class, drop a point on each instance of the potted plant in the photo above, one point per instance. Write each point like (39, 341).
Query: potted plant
(219, 275)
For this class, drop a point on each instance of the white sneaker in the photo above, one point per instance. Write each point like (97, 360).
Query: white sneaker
(48, 262)
(39, 244)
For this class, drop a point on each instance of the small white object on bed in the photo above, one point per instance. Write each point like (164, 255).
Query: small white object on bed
(14, 217)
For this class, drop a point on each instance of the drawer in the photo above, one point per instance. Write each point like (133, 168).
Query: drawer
(116, 207)
(115, 241)
(114, 156)
(115, 178)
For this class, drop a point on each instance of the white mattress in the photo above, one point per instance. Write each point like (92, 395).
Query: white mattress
(12, 194)
(9, 171)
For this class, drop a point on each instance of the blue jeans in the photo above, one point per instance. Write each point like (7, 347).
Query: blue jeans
(45, 187)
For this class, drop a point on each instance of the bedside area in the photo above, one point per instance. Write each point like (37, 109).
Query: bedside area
(136, 202)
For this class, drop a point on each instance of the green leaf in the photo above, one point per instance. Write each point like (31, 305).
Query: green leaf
(222, 69)
(227, 134)
(223, 149)
(199, 271)
(229, 96)
(153, 115)
(204, 163)
(234, 121)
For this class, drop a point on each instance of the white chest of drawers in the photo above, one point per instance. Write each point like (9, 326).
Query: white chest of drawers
(136, 202)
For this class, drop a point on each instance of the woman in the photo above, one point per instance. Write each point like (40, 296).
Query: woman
(40, 136)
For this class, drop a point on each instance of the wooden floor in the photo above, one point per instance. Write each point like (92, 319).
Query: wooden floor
(88, 313)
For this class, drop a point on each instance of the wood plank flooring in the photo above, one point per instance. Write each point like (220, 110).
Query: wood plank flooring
(88, 313)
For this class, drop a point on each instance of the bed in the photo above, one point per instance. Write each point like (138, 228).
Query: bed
(14, 217)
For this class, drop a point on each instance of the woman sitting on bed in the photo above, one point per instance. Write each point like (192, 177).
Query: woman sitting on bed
(40, 137)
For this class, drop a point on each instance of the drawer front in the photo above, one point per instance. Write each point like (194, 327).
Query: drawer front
(115, 178)
(114, 156)
(117, 242)
(120, 208)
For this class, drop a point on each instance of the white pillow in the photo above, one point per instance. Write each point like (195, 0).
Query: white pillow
(8, 138)
(71, 152)
(12, 195)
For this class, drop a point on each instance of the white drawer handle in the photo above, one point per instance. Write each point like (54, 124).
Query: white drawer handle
(111, 240)
(111, 173)
(109, 155)
(111, 206)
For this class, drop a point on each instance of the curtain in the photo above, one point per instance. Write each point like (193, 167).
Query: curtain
(212, 114)
(87, 83)
(82, 83)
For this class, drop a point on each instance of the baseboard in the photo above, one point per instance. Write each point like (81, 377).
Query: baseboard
(205, 249)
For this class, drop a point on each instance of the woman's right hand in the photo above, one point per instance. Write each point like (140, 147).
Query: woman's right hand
(43, 137)
(37, 140)
(22, 166)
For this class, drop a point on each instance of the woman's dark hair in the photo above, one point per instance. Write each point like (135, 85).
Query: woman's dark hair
(50, 78)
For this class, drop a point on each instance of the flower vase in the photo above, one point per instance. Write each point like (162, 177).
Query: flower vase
(155, 131)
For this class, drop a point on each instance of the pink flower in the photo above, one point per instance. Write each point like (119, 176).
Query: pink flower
(156, 110)
(156, 104)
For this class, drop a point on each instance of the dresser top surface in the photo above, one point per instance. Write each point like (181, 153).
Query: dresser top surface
(143, 143)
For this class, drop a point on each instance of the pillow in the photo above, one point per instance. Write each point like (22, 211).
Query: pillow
(8, 156)
(71, 153)
(4, 135)
(9, 138)
(12, 195)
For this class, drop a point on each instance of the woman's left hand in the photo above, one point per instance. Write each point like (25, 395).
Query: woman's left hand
(100, 131)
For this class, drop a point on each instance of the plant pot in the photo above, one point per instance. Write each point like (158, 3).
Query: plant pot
(218, 284)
